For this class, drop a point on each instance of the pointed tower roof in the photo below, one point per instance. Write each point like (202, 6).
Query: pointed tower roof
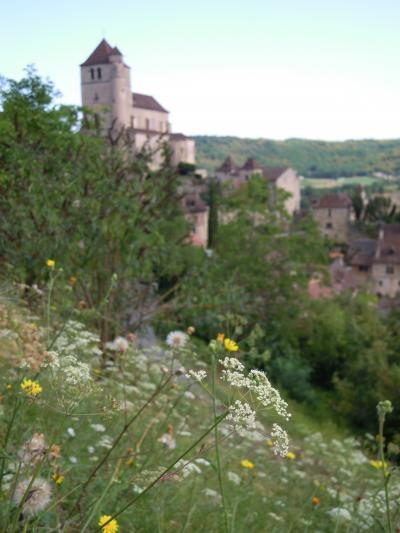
(228, 165)
(101, 54)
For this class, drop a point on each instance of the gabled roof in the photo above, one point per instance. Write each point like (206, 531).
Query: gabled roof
(273, 173)
(333, 200)
(250, 164)
(101, 54)
(228, 165)
(145, 101)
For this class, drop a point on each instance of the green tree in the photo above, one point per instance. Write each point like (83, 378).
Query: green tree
(89, 202)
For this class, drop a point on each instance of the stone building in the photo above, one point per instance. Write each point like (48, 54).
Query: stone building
(197, 214)
(284, 178)
(333, 214)
(106, 89)
(375, 263)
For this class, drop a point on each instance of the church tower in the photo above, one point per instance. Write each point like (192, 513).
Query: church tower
(106, 86)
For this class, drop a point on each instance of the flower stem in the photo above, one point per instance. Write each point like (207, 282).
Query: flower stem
(217, 451)
(384, 473)
(170, 467)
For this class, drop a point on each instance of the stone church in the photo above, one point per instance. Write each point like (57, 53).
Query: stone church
(106, 89)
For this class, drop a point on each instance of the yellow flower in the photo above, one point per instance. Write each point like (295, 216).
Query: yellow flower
(8, 386)
(247, 464)
(230, 345)
(72, 280)
(378, 464)
(58, 479)
(315, 500)
(31, 388)
(269, 443)
(111, 527)
(50, 263)
(291, 456)
(220, 337)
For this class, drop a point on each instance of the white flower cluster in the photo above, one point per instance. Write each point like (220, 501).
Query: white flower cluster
(75, 339)
(280, 440)
(198, 375)
(256, 382)
(119, 344)
(241, 416)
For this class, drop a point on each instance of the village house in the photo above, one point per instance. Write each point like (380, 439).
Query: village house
(106, 89)
(333, 214)
(284, 178)
(197, 214)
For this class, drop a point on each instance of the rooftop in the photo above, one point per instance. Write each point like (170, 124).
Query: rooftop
(333, 200)
(101, 54)
(145, 101)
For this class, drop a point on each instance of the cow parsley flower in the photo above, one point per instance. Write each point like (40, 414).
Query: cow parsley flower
(242, 417)
(198, 375)
(280, 441)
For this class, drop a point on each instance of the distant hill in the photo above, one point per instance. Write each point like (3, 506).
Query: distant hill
(310, 158)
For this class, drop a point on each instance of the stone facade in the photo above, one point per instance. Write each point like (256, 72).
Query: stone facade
(284, 178)
(375, 264)
(106, 89)
(197, 214)
(333, 214)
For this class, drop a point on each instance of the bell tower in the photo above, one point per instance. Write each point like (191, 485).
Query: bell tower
(105, 85)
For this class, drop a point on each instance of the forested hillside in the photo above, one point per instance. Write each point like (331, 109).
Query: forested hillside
(310, 158)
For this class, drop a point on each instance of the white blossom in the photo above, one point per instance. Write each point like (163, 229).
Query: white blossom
(198, 375)
(241, 416)
(177, 339)
(280, 441)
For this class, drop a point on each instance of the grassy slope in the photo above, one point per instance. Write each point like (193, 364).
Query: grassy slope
(310, 158)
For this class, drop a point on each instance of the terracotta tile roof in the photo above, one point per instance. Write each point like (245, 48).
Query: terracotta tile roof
(101, 54)
(273, 173)
(361, 252)
(145, 101)
(179, 137)
(228, 165)
(333, 200)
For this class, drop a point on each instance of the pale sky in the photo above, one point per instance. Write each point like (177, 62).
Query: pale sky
(320, 69)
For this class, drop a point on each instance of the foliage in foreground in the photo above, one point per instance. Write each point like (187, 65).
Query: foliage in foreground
(81, 442)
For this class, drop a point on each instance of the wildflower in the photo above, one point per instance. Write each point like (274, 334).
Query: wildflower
(33, 450)
(73, 460)
(72, 280)
(190, 330)
(339, 514)
(378, 464)
(8, 386)
(58, 478)
(176, 339)
(280, 441)
(246, 464)
(167, 439)
(220, 337)
(71, 432)
(315, 500)
(31, 388)
(269, 443)
(37, 498)
(291, 456)
(50, 263)
(234, 478)
(54, 452)
(198, 375)
(230, 345)
(119, 344)
(242, 416)
(98, 427)
(108, 525)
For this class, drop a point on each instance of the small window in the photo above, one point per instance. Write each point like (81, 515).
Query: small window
(328, 225)
(363, 268)
(96, 97)
(92, 73)
(132, 122)
(329, 212)
(380, 283)
(161, 126)
(147, 124)
(389, 269)
(99, 73)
